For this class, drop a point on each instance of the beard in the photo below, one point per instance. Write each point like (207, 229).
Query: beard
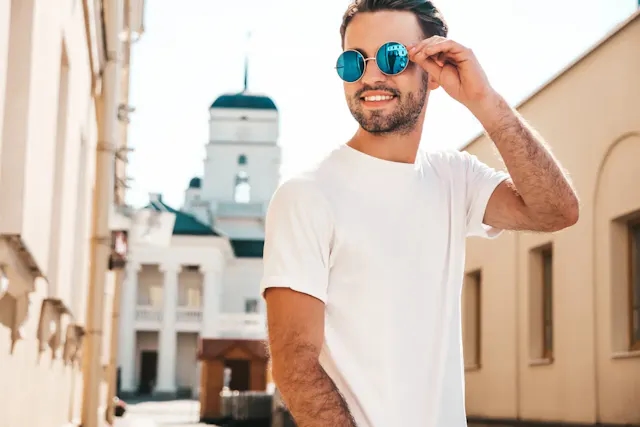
(402, 120)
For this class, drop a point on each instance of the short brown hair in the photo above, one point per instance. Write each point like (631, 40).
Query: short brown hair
(429, 17)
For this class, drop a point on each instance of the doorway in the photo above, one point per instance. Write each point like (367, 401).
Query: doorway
(240, 380)
(148, 372)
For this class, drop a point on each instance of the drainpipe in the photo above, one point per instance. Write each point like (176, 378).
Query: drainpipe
(113, 357)
(106, 112)
(133, 29)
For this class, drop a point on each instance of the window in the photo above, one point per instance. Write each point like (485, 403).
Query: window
(251, 305)
(193, 297)
(541, 304)
(471, 319)
(242, 193)
(634, 285)
(547, 303)
(150, 294)
(242, 159)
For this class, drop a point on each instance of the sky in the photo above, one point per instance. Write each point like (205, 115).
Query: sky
(193, 51)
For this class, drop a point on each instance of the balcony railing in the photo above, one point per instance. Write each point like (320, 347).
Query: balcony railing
(189, 315)
(148, 314)
(244, 210)
(189, 319)
(241, 325)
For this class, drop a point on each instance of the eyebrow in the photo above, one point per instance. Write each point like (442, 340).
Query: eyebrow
(357, 49)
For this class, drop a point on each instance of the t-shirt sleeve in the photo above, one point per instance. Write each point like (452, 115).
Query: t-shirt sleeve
(481, 181)
(298, 237)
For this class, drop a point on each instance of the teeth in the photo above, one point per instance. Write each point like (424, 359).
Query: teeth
(378, 98)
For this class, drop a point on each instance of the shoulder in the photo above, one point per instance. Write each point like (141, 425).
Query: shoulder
(314, 185)
(299, 206)
(304, 193)
(302, 187)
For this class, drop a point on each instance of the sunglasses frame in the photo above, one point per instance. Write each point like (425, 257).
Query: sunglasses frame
(374, 59)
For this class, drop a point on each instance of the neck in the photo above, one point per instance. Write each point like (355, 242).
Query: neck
(402, 148)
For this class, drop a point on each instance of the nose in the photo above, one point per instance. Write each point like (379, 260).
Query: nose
(372, 73)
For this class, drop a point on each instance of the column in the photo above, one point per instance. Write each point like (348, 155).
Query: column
(211, 301)
(166, 383)
(127, 327)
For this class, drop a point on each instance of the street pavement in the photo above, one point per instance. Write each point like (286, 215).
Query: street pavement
(175, 413)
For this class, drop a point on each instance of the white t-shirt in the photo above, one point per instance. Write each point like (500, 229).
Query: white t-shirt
(382, 244)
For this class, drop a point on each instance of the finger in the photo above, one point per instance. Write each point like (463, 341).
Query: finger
(427, 42)
(445, 51)
(428, 64)
(429, 46)
(442, 46)
(447, 48)
(416, 47)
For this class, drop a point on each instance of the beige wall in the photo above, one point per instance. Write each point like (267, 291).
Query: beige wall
(48, 138)
(590, 117)
(48, 142)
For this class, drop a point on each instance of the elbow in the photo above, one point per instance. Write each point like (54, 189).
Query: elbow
(572, 216)
(571, 212)
(565, 217)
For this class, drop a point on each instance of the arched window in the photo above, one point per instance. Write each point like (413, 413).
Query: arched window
(242, 193)
(242, 159)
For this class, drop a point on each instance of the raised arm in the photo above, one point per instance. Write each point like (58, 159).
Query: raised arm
(540, 196)
(296, 334)
(297, 259)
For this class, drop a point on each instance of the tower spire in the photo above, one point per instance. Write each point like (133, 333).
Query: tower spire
(246, 64)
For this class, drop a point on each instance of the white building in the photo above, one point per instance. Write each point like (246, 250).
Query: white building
(205, 282)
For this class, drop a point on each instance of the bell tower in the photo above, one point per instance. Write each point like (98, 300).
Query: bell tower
(242, 165)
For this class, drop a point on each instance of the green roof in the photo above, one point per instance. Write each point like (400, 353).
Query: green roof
(242, 100)
(186, 224)
(195, 182)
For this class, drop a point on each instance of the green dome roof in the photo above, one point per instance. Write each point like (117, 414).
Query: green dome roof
(242, 100)
(195, 182)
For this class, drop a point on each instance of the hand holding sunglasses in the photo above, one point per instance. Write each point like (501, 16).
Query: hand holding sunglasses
(456, 69)
(453, 66)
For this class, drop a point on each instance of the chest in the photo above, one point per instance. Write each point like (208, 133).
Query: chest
(407, 231)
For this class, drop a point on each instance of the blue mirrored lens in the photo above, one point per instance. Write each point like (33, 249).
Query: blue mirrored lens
(350, 66)
(392, 58)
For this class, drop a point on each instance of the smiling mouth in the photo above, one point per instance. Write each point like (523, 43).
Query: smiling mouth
(377, 98)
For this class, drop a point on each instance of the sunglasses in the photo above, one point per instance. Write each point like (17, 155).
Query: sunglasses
(392, 58)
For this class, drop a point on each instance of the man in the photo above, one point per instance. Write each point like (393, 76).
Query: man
(364, 254)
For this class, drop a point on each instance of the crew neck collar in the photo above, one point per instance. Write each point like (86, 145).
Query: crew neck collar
(376, 164)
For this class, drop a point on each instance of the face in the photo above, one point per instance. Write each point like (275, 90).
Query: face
(380, 103)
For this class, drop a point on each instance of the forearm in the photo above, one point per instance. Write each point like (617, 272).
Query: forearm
(536, 174)
(311, 396)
